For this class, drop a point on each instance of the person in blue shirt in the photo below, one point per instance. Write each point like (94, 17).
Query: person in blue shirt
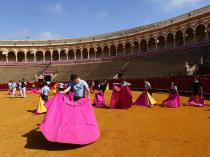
(45, 91)
(79, 87)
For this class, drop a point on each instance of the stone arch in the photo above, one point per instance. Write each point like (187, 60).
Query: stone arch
(71, 55)
(39, 56)
(128, 48)
(11, 56)
(55, 56)
(160, 42)
(2, 56)
(113, 50)
(85, 53)
(106, 51)
(200, 33)
(170, 40)
(135, 47)
(179, 38)
(20, 56)
(78, 54)
(189, 36)
(30, 56)
(120, 50)
(151, 44)
(92, 53)
(143, 46)
(63, 55)
(99, 52)
(47, 56)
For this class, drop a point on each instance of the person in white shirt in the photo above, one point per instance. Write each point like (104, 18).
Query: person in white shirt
(148, 87)
(23, 82)
(45, 91)
(9, 86)
(13, 86)
(61, 86)
(173, 89)
(20, 88)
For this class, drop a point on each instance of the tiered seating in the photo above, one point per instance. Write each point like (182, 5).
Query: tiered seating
(149, 66)
(17, 73)
(162, 65)
(87, 71)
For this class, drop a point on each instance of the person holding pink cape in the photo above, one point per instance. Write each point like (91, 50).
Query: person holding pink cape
(121, 96)
(173, 100)
(71, 121)
(99, 100)
(197, 98)
(146, 99)
(41, 108)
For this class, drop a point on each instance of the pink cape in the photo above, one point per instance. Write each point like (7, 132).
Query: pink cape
(121, 97)
(99, 100)
(70, 122)
(143, 100)
(172, 101)
(197, 101)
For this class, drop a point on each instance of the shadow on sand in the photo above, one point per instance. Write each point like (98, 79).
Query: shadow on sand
(35, 140)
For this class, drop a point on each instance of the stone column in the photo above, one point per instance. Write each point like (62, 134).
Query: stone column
(156, 45)
(59, 55)
(132, 46)
(147, 46)
(95, 50)
(184, 39)
(206, 30)
(44, 59)
(75, 55)
(16, 59)
(123, 50)
(34, 56)
(139, 47)
(51, 55)
(194, 40)
(67, 56)
(6, 57)
(102, 52)
(25, 56)
(81, 55)
(88, 51)
(116, 50)
(174, 37)
(166, 43)
(109, 49)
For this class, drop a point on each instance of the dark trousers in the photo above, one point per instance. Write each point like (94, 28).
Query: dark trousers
(149, 91)
(44, 97)
(77, 98)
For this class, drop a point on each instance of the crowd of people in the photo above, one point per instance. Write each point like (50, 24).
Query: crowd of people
(69, 115)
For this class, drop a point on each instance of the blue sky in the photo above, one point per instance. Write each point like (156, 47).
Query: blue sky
(56, 19)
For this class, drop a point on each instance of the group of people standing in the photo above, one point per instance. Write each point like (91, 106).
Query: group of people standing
(21, 84)
(122, 98)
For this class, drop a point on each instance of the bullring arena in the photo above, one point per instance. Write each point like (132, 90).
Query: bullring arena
(157, 51)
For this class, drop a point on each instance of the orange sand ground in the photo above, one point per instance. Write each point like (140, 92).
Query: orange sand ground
(136, 132)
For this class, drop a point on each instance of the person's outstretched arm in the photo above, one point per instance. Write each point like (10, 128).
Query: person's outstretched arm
(66, 90)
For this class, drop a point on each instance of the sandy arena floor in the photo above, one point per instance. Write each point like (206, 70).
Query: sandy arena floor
(136, 132)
